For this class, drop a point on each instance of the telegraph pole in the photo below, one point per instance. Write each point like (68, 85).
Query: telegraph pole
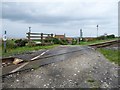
(81, 34)
(29, 29)
(97, 30)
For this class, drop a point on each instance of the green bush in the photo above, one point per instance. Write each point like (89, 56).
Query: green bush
(110, 36)
(9, 44)
(101, 37)
(74, 42)
(21, 42)
(62, 42)
(48, 40)
(56, 41)
(106, 37)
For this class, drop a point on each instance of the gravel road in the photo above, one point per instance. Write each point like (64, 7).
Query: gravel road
(84, 69)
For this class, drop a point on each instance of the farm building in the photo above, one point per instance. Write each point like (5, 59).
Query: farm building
(60, 37)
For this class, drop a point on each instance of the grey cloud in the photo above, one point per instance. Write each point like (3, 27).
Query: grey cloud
(60, 17)
(22, 12)
(14, 12)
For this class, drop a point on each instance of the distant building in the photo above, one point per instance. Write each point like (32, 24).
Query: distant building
(60, 37)
(63, 37)
(69, 39)
(89, 38)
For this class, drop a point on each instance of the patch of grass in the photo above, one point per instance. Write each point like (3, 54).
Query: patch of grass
(24, 49)
(91, 80)
(93, 83)
(112, 55)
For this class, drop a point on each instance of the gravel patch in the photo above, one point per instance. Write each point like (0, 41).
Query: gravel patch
(87, 70)
(113, 47)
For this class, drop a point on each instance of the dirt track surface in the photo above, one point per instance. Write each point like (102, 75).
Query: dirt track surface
(84, 69)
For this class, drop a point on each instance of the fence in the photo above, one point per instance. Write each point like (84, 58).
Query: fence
(42, 38)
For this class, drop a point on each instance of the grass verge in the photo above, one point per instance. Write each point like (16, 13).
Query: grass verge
(24, 49)
(112, 55)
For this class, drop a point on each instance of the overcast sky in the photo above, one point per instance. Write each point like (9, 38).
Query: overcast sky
(59, 17)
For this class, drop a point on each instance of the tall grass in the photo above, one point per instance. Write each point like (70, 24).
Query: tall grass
(112, 55)
(12, 49)
(25, 49)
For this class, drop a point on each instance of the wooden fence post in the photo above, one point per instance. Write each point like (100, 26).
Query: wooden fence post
(52, 38)
(41, 38)
(29, 41)
(48, 38)
(29, 38)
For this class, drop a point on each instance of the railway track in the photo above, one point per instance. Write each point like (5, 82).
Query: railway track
(105, 44)
(38, 59)
(10, 60)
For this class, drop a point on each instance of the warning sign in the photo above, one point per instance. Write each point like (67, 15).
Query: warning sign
(4, 37)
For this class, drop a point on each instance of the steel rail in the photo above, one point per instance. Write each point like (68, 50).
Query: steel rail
(48, 56)
(104, 44)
